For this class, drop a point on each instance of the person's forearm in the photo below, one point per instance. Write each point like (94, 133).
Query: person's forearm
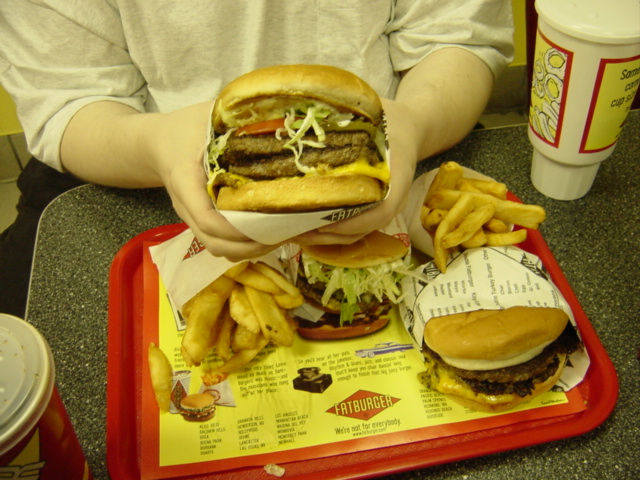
(447, 92)
(106, 143)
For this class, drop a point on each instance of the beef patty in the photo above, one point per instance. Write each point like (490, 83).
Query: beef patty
(264, 156)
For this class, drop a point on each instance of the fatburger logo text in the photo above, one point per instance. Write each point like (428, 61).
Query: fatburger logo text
(195, 248)
(363, 405)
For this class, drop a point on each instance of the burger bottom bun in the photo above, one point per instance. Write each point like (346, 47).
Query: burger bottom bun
(329, 332)
(301, 194)
(502, 405)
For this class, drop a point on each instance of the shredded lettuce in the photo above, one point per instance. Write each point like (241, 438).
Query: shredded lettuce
(356, 283)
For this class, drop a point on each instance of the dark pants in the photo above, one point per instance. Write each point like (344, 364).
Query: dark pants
(38, 185)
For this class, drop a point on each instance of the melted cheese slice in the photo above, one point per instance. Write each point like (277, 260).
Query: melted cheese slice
(380, 171)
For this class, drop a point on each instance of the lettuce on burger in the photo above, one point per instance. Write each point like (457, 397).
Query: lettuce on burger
(293, 138)
(355, 286)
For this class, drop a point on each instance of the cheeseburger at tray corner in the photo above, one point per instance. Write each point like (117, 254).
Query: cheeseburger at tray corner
(297, 138)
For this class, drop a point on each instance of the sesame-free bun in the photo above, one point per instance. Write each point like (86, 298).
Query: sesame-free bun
(240, 99)
(301, 194)
(374, 249)
(489, 339)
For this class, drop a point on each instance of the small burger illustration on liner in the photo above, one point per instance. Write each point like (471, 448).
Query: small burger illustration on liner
(197, 407)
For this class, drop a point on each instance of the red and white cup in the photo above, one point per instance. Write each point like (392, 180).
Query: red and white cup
(37, 439)
(586, 72)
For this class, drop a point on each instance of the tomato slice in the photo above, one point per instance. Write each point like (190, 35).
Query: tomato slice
(261, 128)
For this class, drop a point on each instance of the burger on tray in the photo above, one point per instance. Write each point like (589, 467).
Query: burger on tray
(352, 287)
(297, 138)
(495, 331)
(493, 360)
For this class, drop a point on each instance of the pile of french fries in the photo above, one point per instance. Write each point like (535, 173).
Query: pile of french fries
(238, 314)
(461, 213)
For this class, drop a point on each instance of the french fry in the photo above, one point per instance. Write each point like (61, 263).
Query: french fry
(161, 376)
(447, 177)
(237, 269)
(240, 359)
(287, 302)
(469, 226)
(244, 339)
(434, 218)
(277, 278)
(273, 322)
(225, 333)
(528, 216)
(495, 189)
(496, 226)
(199, 336)
(508, 238)
(449, 223)
(253, 278)
(461, 212)
(478, 239)
(241, 311)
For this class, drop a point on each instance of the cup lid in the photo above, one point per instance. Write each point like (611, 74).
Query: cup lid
(26, 379)
(610, 22)
(561, 181)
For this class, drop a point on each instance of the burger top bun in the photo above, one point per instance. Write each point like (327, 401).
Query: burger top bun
(489, 339)
(264, 88)
(374, 249)
(197, 401)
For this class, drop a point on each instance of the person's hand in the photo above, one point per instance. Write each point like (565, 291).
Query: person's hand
(179, 162)
(403, 159)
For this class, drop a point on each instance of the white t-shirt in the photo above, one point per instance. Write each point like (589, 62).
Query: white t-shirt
(58, 55)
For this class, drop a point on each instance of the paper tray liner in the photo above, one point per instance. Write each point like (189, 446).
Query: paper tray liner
(127, 359)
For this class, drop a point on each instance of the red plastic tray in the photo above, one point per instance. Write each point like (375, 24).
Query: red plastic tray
(125, 363)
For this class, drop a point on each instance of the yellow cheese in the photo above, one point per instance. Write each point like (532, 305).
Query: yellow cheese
(439, 379)
(380, 171)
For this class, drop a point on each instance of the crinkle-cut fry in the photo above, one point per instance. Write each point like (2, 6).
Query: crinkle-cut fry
(161, 376)
(497, 226)
(508, 238)
(528, 216)
(253, 278)
(478, 239)
(272, 318)
(241, 310)
(490, 187)
(447, 177)
(199, 335)
(471, 223)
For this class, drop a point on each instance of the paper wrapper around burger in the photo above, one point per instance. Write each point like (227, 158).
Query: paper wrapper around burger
(486, 278)
(396, 228)
(186, 267)
(273, 228)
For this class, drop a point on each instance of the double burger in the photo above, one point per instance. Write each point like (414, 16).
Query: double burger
(294, 138)
(197, 407)
(493, 360)
(352, 288)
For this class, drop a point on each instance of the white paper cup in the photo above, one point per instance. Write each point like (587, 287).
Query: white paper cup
(586, 71)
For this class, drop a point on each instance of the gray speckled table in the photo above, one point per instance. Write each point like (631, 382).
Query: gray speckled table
(595, 241)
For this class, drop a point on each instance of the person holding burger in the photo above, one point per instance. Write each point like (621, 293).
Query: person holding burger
(120, 93)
